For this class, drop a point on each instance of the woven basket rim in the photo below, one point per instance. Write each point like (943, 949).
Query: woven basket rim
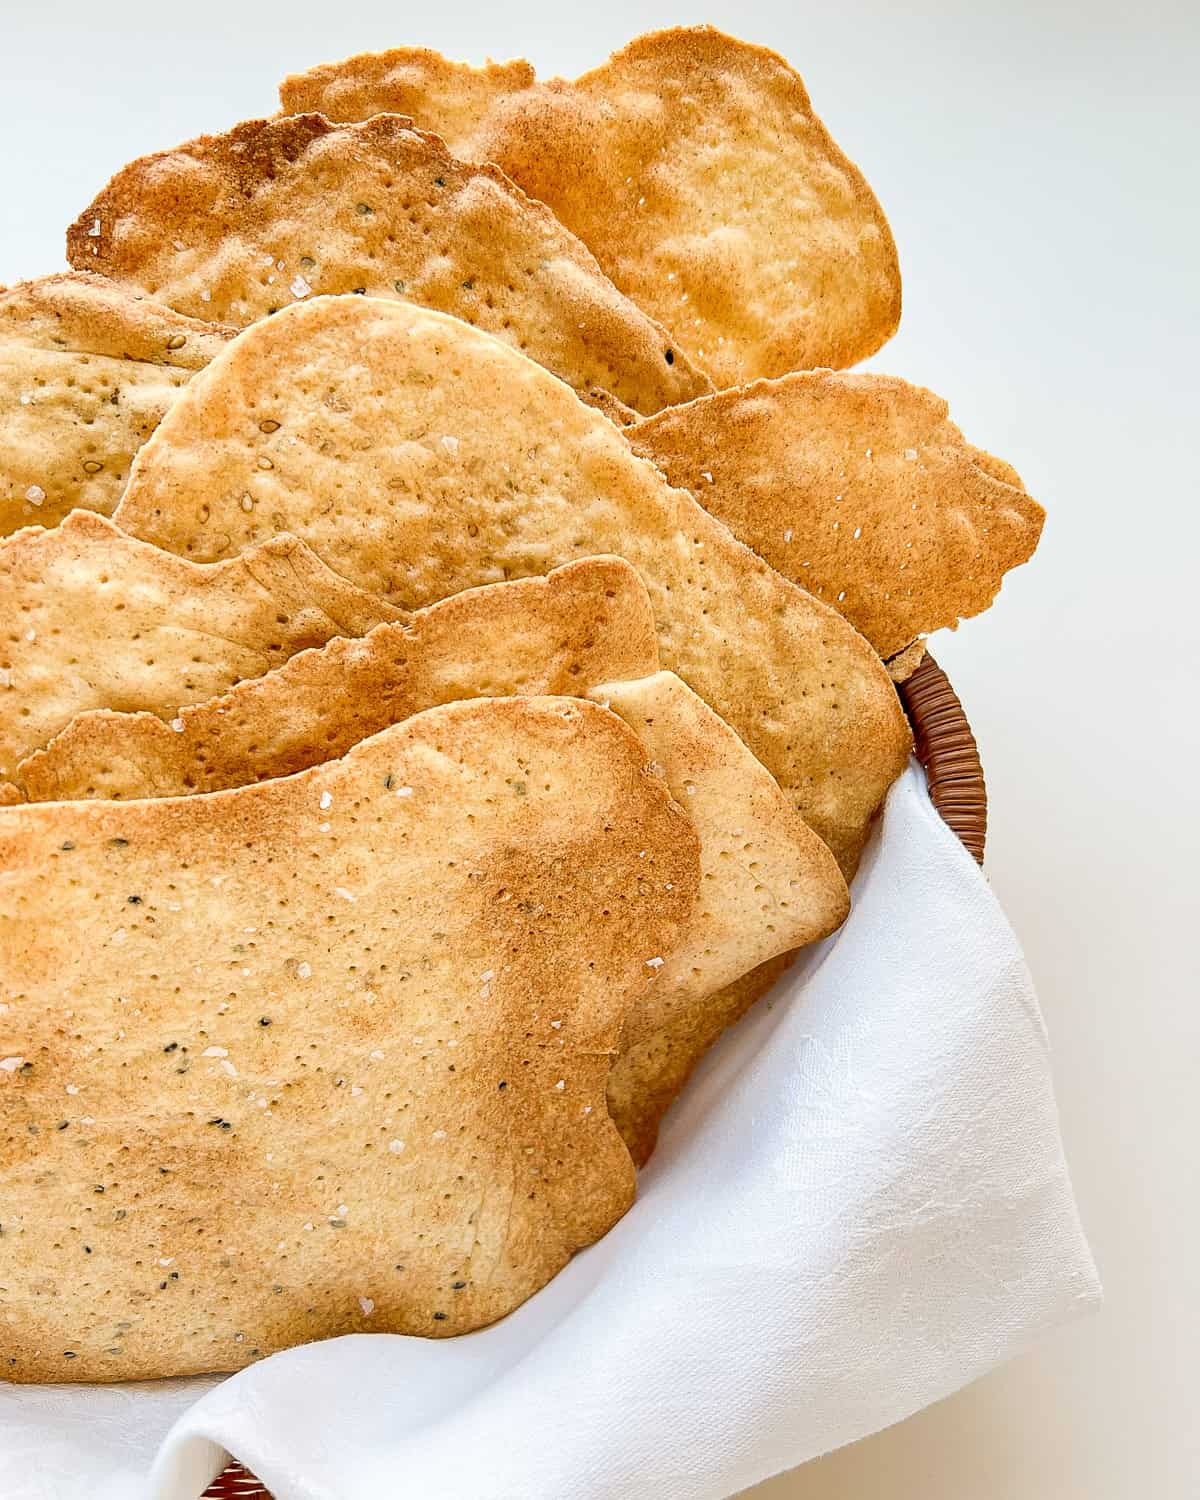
(945, 746)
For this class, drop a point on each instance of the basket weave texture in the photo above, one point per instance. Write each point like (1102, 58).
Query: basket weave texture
(946, 748)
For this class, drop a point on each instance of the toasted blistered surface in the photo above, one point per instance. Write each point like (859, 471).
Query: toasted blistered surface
(858, 487)
(447, 461)
(326, 1054)
(692, 165)
(94, 618)
(87, 369)
(584, 623)
(236, 226)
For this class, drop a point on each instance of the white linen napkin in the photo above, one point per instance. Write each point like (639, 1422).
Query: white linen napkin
(859, 1205)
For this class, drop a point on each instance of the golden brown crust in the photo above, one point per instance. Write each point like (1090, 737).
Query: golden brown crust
(101, 620)
(335, 1099)
(428, 483)
(584, 623)
(860, 489)
(87, 370)
(238, 225)
(693, 167)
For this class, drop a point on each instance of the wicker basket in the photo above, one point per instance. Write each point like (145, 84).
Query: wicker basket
(946, 748)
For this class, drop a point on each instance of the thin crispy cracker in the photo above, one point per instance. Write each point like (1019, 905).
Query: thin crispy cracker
(693, 166)
(859, 488)
(308, 1082)
(95, 619)
(648, 1077)
(87, 370)
(235, 226)
(769, 884)
(582, 624)
(451, 461)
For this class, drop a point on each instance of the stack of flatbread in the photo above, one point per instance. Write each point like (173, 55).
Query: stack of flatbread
(451, 596)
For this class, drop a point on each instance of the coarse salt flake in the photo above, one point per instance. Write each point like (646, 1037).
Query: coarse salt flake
(395, 1147)
(304, 970)
(438, 1135)
(11, 1064)
(450, 443)
(215, 1052)
(376, 1056)
(72, 1088)
(94, 231)
(326, 801)
(35, 494)
(299, 287)
(177, 725)
(340, 890)
(654, 963)
(561, 1084)
(367, 1306)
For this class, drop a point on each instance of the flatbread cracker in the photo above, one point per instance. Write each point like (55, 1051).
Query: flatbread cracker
(235, 226)
(87, 370)
(648, 1077)
(858, 487)
(309, 1080)
(451, 461)
(694, 168)
(585, 623)
(768, 883)
(95, 619)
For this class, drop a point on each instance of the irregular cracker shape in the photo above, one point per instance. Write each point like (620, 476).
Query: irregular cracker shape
(275, 209)
(769, 884)
(858, 487)
(95, 619)
(582, 624)
(694, 168)
(309, 1083)
(87, 370)
(451, 461)
(648, 1077)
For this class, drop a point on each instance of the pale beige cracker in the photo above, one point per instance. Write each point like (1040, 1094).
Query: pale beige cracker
(236, 226)
(584, 623)
(452, 461)
(327, 1054)
(87, 369)
(692, 165)
(94, 618)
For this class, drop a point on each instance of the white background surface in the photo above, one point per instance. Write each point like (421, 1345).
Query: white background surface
(1038, 165)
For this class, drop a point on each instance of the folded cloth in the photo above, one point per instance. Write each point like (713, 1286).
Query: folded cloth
(859, 1205)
